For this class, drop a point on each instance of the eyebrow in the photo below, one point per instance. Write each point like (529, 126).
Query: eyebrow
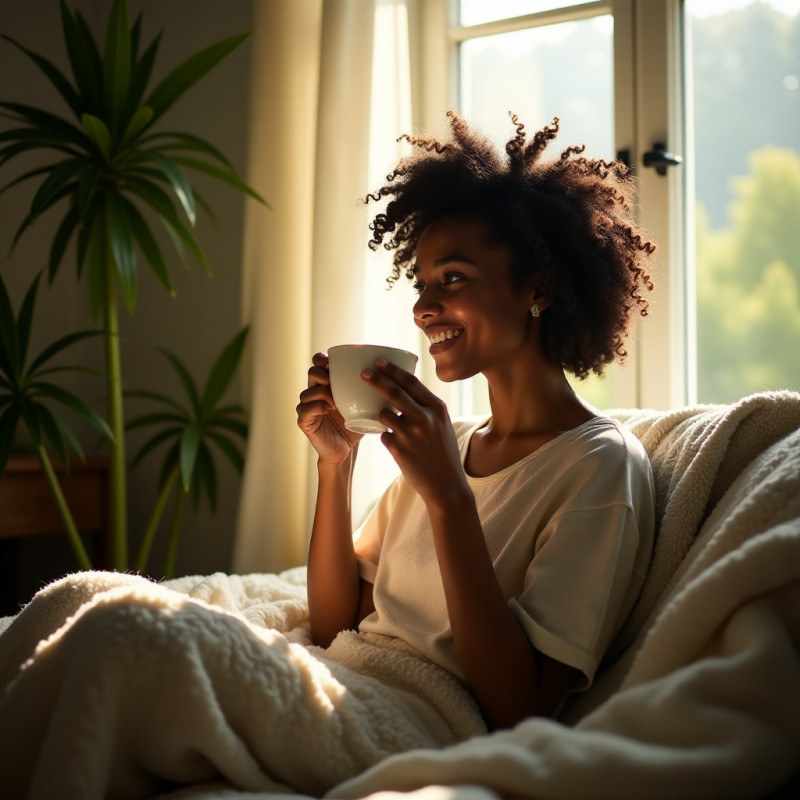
(445, 260)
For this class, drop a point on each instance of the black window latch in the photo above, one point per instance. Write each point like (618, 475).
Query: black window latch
(659, 159)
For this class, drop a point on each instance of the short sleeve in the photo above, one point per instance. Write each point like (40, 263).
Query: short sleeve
(579, 583)
(368, 538)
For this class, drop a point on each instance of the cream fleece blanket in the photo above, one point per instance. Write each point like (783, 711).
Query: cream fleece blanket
(140, 687)
(701, 699)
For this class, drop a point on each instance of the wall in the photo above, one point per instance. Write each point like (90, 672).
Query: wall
(205, 314)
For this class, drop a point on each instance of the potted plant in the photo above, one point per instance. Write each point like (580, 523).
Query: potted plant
(115, 175)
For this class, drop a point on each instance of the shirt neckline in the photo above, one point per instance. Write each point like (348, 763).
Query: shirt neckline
(481, 422)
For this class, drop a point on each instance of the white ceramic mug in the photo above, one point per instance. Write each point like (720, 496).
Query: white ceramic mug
(356, 400)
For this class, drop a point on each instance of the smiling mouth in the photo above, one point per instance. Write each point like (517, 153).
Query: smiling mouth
(436, 337)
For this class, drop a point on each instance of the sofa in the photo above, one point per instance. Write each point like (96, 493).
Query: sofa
(698, 697)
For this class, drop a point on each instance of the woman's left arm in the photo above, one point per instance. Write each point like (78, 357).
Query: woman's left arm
(509, 678)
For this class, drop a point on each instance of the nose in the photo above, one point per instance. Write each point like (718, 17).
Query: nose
(428, 305)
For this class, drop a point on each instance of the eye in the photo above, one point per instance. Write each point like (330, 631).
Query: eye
(451, 277)
(448, 278)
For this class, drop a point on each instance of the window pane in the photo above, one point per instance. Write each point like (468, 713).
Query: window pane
(745, 79)
(475, 12)
(564, 70)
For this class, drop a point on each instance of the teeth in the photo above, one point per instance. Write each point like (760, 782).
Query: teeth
(441, 336)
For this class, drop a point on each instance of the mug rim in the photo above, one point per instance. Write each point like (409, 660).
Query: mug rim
(365, 345)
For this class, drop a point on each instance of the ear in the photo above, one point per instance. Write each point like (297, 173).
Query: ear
(536, 294)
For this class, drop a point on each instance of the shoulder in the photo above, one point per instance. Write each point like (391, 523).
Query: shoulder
(603, 459)
(607, 437)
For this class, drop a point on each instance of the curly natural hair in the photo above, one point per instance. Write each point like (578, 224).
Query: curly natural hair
(568, 221)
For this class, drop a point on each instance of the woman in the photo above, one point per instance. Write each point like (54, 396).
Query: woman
(494, 571)
(510, 549)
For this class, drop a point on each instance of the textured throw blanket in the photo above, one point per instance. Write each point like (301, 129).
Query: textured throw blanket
(139, 687)
(700, 697)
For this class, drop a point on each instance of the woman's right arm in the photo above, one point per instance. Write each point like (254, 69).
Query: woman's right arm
(336, 597)
(333, 576)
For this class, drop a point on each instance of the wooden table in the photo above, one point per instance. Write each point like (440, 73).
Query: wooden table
(27, 509)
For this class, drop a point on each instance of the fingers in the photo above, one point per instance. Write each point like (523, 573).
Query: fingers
(316, 400)
(403, 391)
(412, 385)
(318, 373)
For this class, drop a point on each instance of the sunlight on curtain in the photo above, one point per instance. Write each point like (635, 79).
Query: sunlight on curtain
(277, 279)
(323, 135)
(386, 313)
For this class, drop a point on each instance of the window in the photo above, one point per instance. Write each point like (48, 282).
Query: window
(743, 63)
(715, 82)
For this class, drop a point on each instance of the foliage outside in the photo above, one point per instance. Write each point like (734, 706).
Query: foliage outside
(112, 176)
(748, 284)
(747, 166)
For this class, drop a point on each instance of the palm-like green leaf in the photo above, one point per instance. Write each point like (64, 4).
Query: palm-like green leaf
(224, 175)
(99, 134)
(228, 449)
(176, 140)
(222, 372)
(24, 395)
(9, 338)
(159, 201)
(153, 442)
(190, 429)
(46, 121)
(108, 150)
(121, 239)
(117, 63)
(74, 403)
(25, 320)
(54, 75)
(84, 58)
(183, 77)
(206, 483)
(138, 122)
(186, 379)
(61, 240)
(55, 182)
(181, 187)
(56, 347)
(190, 443)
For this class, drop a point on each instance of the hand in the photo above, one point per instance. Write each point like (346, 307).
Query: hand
(319, 419)
(420, 437)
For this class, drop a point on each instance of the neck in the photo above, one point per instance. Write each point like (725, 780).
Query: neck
(537, 402)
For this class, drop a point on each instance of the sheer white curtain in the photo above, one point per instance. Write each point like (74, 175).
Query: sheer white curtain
(330, 96)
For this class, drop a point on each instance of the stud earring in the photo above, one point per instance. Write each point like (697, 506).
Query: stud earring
(535, 310)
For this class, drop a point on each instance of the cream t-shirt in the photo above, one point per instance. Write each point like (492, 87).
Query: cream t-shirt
(569, 529)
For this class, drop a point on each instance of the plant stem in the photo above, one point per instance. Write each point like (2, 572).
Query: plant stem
(155, 519)
(116, 421)
(174, 534)
(63, 510)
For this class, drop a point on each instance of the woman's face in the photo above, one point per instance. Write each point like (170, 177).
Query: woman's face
(474, 317)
